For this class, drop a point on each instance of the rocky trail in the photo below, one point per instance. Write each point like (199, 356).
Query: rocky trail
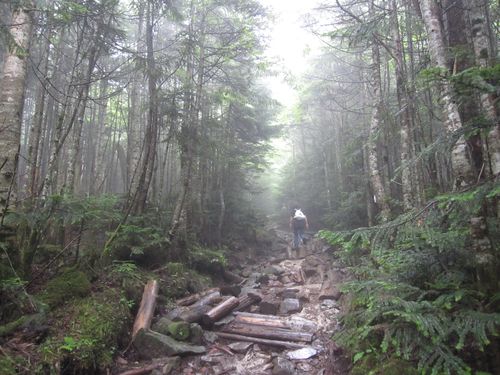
(276, 315)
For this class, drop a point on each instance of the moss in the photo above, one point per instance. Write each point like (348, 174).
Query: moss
(10, 365)
(177, 279)
(397, 366)
(88, 333)
(68, 285)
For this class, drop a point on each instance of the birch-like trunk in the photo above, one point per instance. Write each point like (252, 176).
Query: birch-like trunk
(379, 193)
(404, 111)
(462, 168)
(12, 84)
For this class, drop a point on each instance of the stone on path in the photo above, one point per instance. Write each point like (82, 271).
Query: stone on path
(269, 307)
(290, 306)
(240, 346)
(304, 353)
(283, 366)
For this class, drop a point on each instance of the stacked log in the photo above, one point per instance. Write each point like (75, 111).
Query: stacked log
(219, 311)
(146, 308)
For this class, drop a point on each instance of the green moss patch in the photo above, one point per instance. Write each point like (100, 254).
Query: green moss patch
(176, 279)
(88, 332)
(64, 287)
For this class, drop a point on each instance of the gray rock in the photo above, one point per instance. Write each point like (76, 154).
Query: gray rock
(172, 364)
(283, 366)
(196, 336)
(240, 346)
(209, 337)
(226, 320)
(268, 307)
(212, 358)
(303, 353)
(150, 344)
(328, 304)
(289, 306)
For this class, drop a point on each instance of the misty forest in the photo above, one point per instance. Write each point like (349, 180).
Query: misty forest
(249, 187)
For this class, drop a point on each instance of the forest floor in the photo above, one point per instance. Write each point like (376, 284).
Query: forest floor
(298, 289)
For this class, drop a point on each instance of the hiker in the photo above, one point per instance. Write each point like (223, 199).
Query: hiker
(298, 223)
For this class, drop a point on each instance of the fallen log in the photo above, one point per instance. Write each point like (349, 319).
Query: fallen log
(219, 311)
(272, 333)
(283, 344)
(193, 313)
(248, 300)
(295, 323)
(189, 300)
(147, 307)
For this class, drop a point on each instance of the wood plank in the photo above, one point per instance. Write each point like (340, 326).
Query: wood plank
(147, 307)
(219, 311)
(271, 333)
(283, 344)
(189, 300)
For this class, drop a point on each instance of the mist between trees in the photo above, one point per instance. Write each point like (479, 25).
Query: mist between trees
(121, 116)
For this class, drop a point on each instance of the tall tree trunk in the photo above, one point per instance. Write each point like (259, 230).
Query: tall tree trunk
(12, 85)
(404, 111)
(379, 192)
(478, 10)
(462, 169)
(151, 135)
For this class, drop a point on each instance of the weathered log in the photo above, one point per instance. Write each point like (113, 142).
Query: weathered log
(248, 300)
(189, 300)
(220, 311)
(271, 333)
(193, 313)
(147, 307)
(283, 344)
(295, 323)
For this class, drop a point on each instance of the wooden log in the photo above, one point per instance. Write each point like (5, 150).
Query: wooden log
(219, 311)
(283, 344)
(294, 323)
(194, 312)
(147, 307)
(189, 300)
(271, 333)
(248, 300)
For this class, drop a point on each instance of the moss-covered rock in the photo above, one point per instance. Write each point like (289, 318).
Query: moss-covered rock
(64, 287)
(87, 333)
(177, 279)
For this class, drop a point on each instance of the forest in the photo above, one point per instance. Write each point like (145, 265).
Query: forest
(149, 140)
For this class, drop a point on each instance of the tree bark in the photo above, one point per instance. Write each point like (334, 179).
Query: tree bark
(284, 344)
(220, 311)
(147, 307)
(12, 85)
(267, 332)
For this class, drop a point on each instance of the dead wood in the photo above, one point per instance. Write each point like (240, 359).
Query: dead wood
(220, 311)
(257, 340)
(147, 307)
(272, 333)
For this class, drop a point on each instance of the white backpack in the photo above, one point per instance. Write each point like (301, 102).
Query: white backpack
(299, 215)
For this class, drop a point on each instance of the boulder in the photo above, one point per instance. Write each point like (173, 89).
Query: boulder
(196, 336)
(290, 306)
(283, 366)
(150, 344)
(269, 307)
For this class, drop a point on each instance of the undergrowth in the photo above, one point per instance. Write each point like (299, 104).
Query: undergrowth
(425, 287)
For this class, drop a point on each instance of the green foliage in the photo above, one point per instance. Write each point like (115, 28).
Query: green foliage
(416, 296)
(206, 259)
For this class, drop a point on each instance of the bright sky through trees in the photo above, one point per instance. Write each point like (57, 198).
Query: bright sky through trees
(291, 44)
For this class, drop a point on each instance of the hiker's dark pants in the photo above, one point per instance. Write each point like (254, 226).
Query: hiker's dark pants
(298, 237)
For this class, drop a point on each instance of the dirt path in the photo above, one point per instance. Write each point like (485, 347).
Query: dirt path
(295, 289)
